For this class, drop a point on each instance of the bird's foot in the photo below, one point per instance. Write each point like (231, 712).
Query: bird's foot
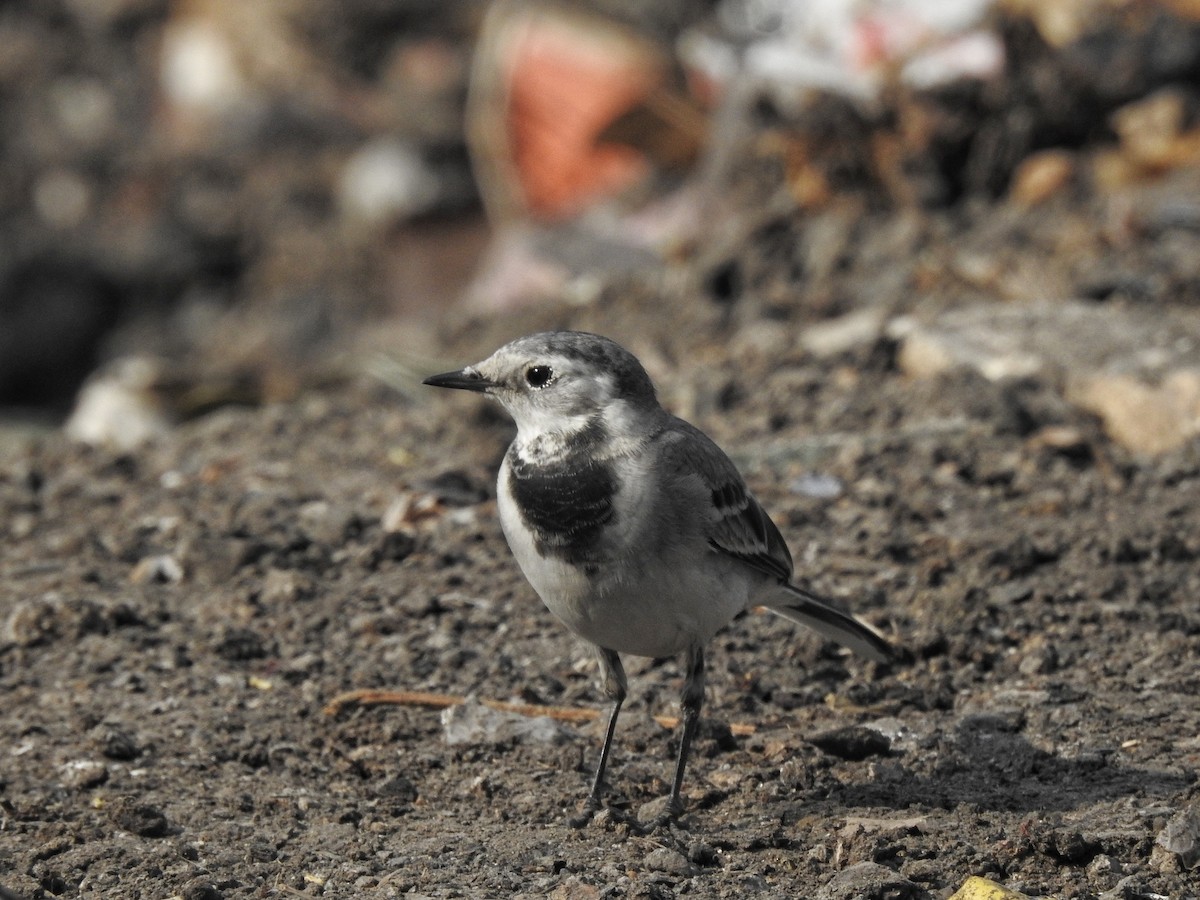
(591, 806)
(660, 814)
(608, 817)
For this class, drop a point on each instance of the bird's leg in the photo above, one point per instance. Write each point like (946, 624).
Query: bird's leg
(615, 686)
(689, 704)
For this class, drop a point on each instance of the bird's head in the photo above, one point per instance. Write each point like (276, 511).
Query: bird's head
(559, 381)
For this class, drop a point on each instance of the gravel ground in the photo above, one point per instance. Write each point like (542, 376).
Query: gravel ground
(176, 619)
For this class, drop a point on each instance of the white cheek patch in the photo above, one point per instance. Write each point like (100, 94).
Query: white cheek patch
(535, 420)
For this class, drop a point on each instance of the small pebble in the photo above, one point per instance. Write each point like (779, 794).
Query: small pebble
(116, 743)
(201, 889)
(854, 742)
(161, 569)
(868, 879)
(817, 486)
(672, 862)
(140, 819)
(1181, 836)
(1104, 865)
(84, 773)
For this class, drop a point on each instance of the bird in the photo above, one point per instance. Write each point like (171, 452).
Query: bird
(634, 528)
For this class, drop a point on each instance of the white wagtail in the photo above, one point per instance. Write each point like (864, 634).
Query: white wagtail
(632, 525)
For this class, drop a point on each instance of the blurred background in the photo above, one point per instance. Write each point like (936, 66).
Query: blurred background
(211, 201)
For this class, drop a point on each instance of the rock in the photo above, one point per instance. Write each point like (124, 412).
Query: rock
(33, 622)
(201, 889)
(63, 198)
(1149, 128)
(727, 778)
(1133, 367)
(923, 353)
(140, 819)
(84, 773)
(702, 854)
(796, 774)
(1143, 418)
(1181, 836)
(118, 407)
(475, 723)
(889, 825)
(45, 619)
(325, 523)
(241, 645)
(854, 742)
(836, 336)
(1103, 865)
(116, 743)
(1131, 887)
(160, 569)
(1064, 438)
(1068, 845)
(283, 586)
(1071, 337)
(213, 559)
(976, 888)
(392, 546)
(868, 881)
(1038, 657)
(818, 486)
(199, 70)
(760, 341)
(664, 859)
(574, 889)
(1040, 176)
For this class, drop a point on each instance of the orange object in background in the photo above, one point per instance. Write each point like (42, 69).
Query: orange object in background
(546, 86)
(565, 88)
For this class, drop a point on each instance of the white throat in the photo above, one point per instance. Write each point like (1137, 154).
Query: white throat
(542, 437)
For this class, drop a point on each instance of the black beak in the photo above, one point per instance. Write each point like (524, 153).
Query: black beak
(463, 380)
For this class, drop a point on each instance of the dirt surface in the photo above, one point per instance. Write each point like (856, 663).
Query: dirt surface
(175, 620)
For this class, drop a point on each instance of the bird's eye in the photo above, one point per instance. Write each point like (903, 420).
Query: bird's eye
(539, 376)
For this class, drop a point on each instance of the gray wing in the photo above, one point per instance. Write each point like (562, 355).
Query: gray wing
(739, 527)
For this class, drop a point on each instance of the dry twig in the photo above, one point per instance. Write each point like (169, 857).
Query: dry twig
(576, 714)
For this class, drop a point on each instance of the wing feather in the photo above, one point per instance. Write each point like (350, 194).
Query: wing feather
(739, 526)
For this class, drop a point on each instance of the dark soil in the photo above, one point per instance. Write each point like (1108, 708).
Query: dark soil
(175, 621)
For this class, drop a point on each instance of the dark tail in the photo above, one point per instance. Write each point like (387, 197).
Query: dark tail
(825, 618)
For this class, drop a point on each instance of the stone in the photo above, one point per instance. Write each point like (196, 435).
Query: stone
(868, 879)
(854, 742)
(84, 774)
(159, 569)
(474, 723)
(1145, 419)
(140, 819)
(1040, 176)
(1134, 368)
(976, 888)
(836, 336)
(672, 862)
(1181, 836)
